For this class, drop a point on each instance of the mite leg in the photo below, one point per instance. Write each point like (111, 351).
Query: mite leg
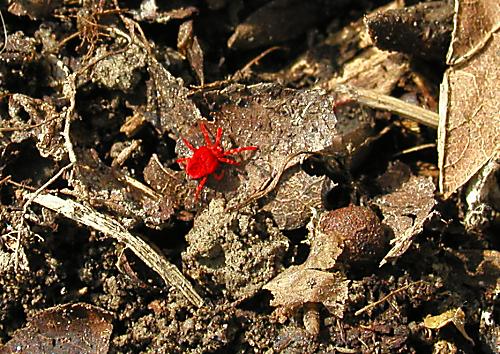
(204, 131)
(200, 187)
(238, 150)
(228, 161)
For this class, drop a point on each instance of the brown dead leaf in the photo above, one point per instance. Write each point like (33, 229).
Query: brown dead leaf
(168, 108)
(168, 183)
(106, 187)
(299, 285)
(281, 122)
(474, 24)
(71, 328)
(189, 46)
(405, 211)
(469, 129)
(455, 316)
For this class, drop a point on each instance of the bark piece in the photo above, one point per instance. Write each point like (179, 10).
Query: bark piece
(422, 30)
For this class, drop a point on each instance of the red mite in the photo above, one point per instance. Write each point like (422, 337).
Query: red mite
(207, 158)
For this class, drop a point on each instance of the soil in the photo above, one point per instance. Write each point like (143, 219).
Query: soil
(96, 98)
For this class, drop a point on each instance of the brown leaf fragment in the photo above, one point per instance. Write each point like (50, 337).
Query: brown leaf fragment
(474, 24)
(129, 199)
(276, 22)
(298, 285)
(169, 184)
(405, 210)
(168, 108)
(70, 328)
(455, 316)
(189, 46)
(469, 129)
(281, 122)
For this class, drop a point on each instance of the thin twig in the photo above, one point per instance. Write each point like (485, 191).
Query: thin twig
(377, 100)
(415, 149)
(14, 129)
(87, 216)
(391, 294)
(5, 37)
(33, 195)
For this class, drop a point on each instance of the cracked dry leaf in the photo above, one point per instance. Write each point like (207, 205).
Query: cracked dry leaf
(69, 328)
(299, 285)
(281, 122)
(168, 108)
(405, 211)
(469, 128)
(455, 316)
(189, 46)
(474, 23)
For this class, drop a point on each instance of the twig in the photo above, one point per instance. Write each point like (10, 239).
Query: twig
(415, 149)
(377, 100)
(392, 293)
(25, 210)
(111, 228)
(5, 37)
(14, 129)
(5, 179)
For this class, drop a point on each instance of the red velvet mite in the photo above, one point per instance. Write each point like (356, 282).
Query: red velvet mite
(207, 159)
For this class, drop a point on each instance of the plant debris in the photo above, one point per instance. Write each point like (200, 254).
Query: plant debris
(68, 328)
(469, 131)
(325, 235)
(455, 316)
(405, 210)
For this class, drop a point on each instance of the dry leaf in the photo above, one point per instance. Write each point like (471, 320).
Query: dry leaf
(405, 211)
(474, 23)
(469, 129)
(299, 285)
(189, 46)
(71, 328)
(281, 122)
(456, 316)
(127, 198)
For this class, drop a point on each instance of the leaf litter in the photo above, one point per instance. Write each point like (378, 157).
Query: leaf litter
(118, 119)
